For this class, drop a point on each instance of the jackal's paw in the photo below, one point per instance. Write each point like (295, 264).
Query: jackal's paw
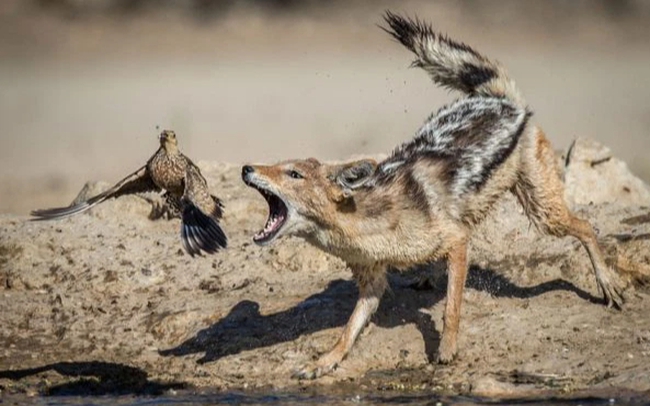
(315, 370)
(613, 294)
(612, 289)
(445, 359)
(446, 352)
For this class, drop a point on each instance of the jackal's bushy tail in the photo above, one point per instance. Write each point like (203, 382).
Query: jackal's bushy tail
(452, 64)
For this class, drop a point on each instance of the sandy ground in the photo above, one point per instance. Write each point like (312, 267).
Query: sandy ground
(107, 302)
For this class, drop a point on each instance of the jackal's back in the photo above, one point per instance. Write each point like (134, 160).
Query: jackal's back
(469, 139)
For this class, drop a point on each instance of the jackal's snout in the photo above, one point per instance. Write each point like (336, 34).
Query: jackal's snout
(246, 170)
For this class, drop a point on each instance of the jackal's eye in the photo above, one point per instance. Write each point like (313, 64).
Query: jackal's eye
(295, 175)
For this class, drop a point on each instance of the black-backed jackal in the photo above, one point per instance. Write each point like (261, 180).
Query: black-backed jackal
(422, 203)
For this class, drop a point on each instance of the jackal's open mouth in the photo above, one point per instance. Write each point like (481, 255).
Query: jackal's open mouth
(277, 217)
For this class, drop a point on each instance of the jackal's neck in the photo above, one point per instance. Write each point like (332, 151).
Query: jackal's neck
(384, 224)
(355, 226)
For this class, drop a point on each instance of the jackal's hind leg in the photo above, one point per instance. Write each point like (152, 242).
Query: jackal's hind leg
(372, 284)
(541, 193)
(457, 275)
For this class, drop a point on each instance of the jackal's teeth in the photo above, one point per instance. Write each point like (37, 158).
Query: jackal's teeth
(272, 224)
(278, 214)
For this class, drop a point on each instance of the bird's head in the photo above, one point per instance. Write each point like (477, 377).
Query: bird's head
(168, 140)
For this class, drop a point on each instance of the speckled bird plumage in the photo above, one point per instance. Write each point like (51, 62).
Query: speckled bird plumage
(186, 191)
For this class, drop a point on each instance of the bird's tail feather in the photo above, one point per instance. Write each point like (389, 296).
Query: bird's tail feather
(200, 232)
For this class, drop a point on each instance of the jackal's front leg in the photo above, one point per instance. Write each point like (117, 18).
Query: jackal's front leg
(372, 284)
(457, 275)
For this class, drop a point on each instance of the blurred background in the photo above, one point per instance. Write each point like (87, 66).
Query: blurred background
(84, 83)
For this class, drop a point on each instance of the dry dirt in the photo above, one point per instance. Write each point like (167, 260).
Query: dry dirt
(107, 302)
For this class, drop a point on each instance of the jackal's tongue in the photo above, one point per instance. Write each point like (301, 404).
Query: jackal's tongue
(273, 224)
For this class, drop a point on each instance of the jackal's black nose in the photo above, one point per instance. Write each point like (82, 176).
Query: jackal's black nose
(246, 169)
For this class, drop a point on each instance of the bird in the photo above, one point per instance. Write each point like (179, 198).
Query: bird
(185, 191)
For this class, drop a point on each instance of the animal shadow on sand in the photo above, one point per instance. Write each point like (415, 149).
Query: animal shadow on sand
(244, 328)
(96, 378)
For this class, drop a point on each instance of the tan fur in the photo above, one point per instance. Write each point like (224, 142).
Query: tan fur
(404, 235)
(416, 216)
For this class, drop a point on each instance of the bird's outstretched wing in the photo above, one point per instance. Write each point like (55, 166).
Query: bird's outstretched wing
(137, 182)
(200, 230)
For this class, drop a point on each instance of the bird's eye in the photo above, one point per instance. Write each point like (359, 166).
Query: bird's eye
(295, 174)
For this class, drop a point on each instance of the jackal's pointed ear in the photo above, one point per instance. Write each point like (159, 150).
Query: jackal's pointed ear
(350, 176)
(354, 175)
